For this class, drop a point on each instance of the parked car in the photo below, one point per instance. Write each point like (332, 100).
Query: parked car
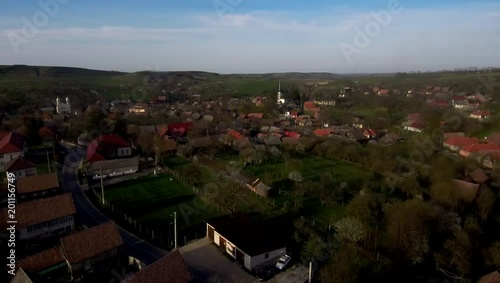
(283, 261)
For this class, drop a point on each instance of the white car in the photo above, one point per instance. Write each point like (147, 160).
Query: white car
(283, 262)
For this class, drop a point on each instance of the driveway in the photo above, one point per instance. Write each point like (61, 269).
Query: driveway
(207, 263)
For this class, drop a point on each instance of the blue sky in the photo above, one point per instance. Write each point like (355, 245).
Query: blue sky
(252, 36)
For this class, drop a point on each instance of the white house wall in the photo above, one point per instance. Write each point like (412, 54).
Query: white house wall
(251, 262)
(216, 238)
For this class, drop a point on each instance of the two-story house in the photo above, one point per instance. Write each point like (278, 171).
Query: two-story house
(108, 147)
(20, 167)
(11, 147)
(43, 217)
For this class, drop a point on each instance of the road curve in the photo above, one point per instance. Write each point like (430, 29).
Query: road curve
(91, 216)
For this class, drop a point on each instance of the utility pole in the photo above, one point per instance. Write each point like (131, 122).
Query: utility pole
(48, 161)
(310, 271)
(175, 230)
(102, 185)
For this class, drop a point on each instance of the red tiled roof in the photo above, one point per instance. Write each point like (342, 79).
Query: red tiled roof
(383, 91)
(98, 148)
(46, 132)
(162, 130)
(42, 210)
(255, 115)
(11, 142)
(481, 113)
(417, 125)
(461, 141)
(91, 242)
(291, 134)
(234, 134)
(171, 268)
(37, 183)
(41, 261)
(322, 132)
(18, 164)
(309, 105)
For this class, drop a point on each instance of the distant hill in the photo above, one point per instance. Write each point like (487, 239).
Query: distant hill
(23, 71)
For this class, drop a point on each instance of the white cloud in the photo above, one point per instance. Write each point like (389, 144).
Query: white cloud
(280, 41)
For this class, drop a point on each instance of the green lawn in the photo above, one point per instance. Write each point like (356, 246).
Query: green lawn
(152, 200)
(44, 169)
(310, 167)
(176, 162)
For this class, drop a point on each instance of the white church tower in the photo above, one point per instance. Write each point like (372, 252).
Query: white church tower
(280, 99)
(63, 108)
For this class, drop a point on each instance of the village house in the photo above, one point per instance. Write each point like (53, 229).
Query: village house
(49, 264)
(251, 244)
(37, 186)
(20, 167)
(480, 114)
(383, 92)
(113, 168)
(11, 146)
(414, 126)
(178, 131)
(104, 240)
(43, 217)
(466, 151)
(491, 160)
(108, 147)
(170, 268)
(139, 109)
(455, 143)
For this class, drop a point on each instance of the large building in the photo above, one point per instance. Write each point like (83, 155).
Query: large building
(63, 108)
(43, 218)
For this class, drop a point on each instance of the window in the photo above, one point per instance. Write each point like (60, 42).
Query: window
(266, 256)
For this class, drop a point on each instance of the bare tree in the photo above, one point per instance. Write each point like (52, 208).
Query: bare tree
(350, 230)
(485, 203)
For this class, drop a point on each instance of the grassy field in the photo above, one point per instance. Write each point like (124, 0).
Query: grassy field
(310, 167)
(152, 200)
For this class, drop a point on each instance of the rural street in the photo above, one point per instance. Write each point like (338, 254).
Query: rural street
(91, 216)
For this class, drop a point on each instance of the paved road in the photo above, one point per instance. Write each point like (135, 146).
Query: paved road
(91, 216)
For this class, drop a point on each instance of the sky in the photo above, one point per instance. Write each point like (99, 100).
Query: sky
(252, 36)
